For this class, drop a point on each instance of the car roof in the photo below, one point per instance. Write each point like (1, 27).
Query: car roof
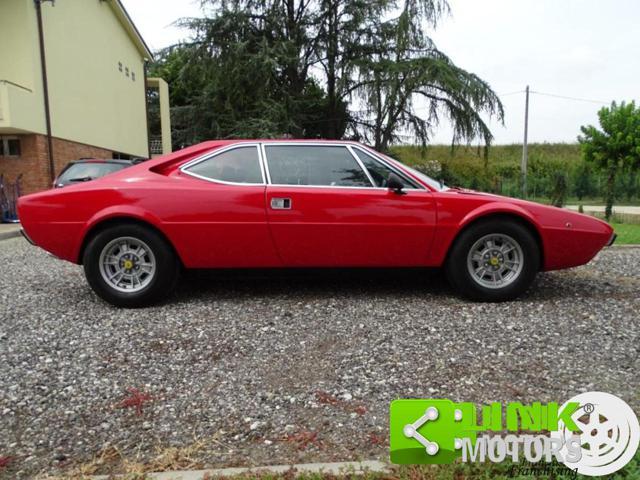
(281, 140)
(204, 147)
(103, 160)
(191, 152)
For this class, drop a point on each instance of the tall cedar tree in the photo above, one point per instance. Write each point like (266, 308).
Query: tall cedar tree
(322, 68)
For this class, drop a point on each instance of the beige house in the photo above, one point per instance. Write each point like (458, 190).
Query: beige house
(73, 84)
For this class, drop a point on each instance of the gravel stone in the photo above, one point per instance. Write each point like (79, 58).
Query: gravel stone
(289, 367)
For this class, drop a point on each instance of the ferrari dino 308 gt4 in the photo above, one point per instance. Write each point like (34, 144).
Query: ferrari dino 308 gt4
(276, 203)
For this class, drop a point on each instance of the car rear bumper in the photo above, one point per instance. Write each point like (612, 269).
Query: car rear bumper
(24, 234)
(612, 239)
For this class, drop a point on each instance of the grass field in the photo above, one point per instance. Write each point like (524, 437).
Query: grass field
(463, 471)
(499, 155)
(549, 165)
(627, 233)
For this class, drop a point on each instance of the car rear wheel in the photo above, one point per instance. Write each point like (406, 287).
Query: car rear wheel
(130, 265)
(493, 260)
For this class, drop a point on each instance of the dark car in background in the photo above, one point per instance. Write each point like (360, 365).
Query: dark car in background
(87, 169)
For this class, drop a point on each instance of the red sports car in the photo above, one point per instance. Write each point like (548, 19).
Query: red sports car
(273, 203)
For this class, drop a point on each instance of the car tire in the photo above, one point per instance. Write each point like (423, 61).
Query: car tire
(130, 266)
(493, 260)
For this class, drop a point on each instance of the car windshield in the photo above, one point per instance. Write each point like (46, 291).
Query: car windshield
(439, 186)
(427, 179)
(82, 172)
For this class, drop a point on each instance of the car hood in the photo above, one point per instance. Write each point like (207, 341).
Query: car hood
(546, 215)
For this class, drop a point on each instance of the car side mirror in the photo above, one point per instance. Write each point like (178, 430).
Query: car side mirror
(394, 183)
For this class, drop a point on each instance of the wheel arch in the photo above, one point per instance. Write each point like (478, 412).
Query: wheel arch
(508, 215)
(105, 223)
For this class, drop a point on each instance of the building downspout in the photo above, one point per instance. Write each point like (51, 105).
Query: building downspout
(45, 88)
(146, 107)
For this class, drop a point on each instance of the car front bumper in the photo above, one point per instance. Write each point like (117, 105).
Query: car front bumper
(612, 239)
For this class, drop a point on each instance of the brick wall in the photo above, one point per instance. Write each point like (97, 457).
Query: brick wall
(33, 163)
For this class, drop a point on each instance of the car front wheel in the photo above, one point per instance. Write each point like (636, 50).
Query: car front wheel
(130, 265)
(493, 260)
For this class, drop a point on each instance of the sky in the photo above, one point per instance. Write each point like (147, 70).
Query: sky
(586, 49)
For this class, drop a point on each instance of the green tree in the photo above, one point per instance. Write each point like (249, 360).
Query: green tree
(583, 181)
(559, 192)
(630, 184)
(407, 85)
(187, 83)
(615, 146)
(229, 83)
(329, 68)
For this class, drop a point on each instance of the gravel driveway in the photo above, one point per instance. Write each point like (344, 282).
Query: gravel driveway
(267, 369)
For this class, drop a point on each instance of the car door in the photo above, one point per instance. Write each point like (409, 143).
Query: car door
(325, 209)
(219, 219)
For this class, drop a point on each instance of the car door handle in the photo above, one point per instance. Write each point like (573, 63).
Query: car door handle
(278, 203)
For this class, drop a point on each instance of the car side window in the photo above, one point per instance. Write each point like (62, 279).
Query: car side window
(238, 165)
(316, 165)
(378, 171)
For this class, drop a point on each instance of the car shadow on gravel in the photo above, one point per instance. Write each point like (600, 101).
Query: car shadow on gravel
(327, 282)
(346, 281)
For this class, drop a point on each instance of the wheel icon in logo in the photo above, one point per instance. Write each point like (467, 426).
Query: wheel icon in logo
(609, 436)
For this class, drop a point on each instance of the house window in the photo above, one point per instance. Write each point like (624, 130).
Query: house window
(120, 66)
(14, 147)
(9, 147)
(120, 156)
(133, 76)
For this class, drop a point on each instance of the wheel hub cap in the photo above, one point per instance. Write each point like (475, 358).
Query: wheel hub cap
(127, 264)
(495, 261)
